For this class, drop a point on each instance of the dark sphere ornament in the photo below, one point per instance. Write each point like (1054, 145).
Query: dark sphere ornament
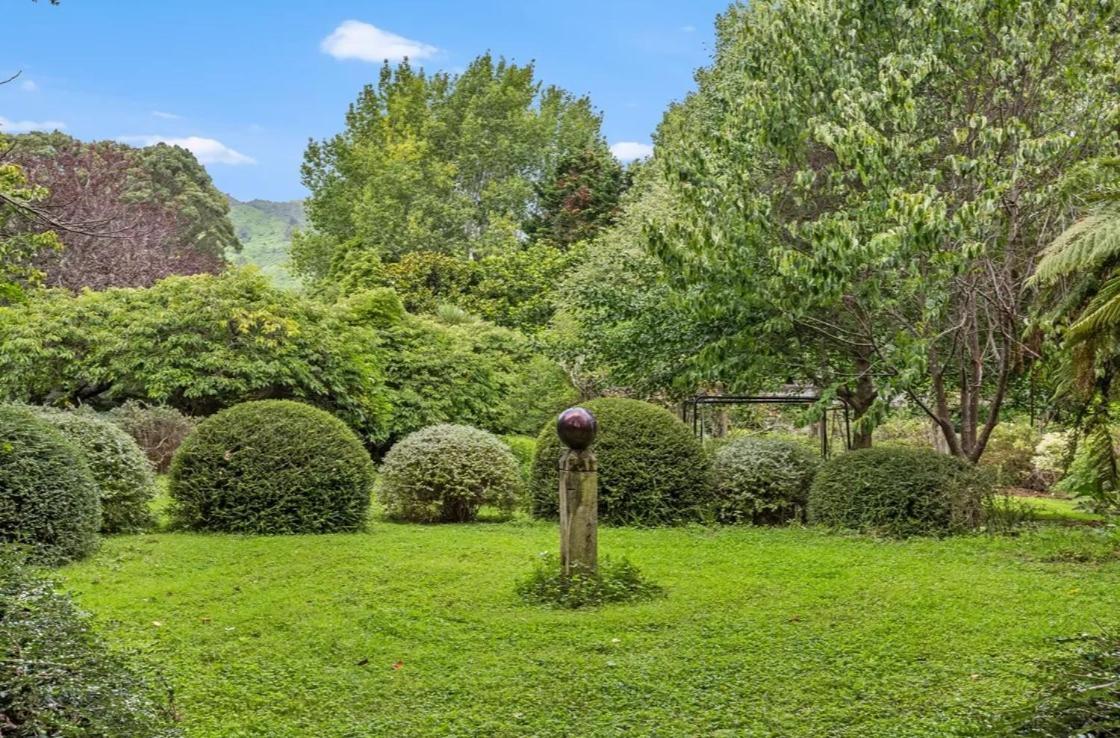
(577, 427)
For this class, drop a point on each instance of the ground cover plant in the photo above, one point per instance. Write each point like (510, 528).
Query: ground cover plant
(58, 676)
(416, 630)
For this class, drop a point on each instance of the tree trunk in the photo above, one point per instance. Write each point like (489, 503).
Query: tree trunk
(860, 399)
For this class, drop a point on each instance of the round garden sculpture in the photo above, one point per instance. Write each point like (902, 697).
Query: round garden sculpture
(579, 491)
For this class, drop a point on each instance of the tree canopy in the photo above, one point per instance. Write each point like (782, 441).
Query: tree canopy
(865, 187)
(459, 165)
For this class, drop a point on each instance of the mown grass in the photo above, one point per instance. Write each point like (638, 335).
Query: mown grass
(415, 630)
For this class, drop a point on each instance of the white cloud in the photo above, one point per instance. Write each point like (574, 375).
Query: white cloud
(28, 85)
(207, 150)
(23, 126)
(165, 116)
(630, 150)
(356, 40)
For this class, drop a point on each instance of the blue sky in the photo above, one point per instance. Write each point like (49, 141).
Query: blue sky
(245, 83)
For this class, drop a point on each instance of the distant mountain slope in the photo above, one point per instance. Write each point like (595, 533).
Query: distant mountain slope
(265, 231)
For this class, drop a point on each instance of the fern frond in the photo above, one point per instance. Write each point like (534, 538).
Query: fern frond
(1086, 246)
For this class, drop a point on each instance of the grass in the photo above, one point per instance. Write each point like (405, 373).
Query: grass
(1057, 509)
(416, 630)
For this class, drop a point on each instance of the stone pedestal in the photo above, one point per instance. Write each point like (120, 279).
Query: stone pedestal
(579, 511)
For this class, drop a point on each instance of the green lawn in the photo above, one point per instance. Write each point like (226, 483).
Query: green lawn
(765, 632)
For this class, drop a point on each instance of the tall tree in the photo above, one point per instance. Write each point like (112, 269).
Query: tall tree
(133, 216)
(868, 184)
(580, 199)
(438, 163)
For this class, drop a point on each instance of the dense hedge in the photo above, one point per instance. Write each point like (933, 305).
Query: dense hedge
(762, 480)
(652, 470)
(57, 678)
(157, 429)
(898, 491)
(123, 474)
(48, 497)
(271, 466)
(445, 473)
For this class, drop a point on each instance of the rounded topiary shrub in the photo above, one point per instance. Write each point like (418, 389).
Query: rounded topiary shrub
(898, 492)
(271, 466)
(123, 474)
(762, 480)
(445, 473)
(48, 498)
(652, 470)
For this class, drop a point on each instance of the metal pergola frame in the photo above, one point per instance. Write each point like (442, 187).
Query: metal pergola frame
(690, 412)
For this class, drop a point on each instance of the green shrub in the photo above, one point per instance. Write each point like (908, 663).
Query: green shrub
(157, 429)
(271, 466)
(524, 448)
(652, 470)
(762, 480)
(898, 492)
(904, 430)
(445, 473)
(616, 581)
(1010, 452)
(122, 472)
(48, 497)
(57, 677)
(1081, 696)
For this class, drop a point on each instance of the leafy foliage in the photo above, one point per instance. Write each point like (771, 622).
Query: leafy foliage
(1080, 274)
(580, 199)
(120, 469)
(438, 163)
(462, 370)
(524, 449)
(127, 217)
(49, 500)
(445, 473)
(618, 326)
(157, 429)
(1010, 453)
(615, 582)
(1082, 697)
(195, 343)
(862, 188)
(59, 678)
(271, 466)
(898, 492)
(762, 480)
(652, 470)
(20, 244)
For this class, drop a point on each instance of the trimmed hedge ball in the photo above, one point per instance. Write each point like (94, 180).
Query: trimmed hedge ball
(898, 492)
(271, 466)
(445, 473)
(652, 470)
(762, 480)
(123, 474)
(49, 500)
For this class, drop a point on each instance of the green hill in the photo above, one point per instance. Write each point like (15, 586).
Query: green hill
(265, 231)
